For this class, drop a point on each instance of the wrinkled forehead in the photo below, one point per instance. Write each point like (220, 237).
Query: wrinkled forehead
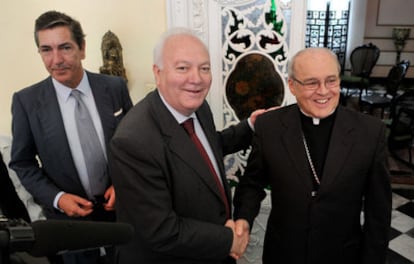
(184, 41)
(185, 47)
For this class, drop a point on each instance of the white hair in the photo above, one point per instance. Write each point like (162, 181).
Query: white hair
(175, 31)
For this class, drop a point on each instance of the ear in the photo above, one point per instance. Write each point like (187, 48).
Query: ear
(156, 71)
(82, 49)
(291, 84)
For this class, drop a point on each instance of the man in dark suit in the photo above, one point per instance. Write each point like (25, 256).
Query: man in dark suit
(45, 127)
(324, 164)
(165, 188)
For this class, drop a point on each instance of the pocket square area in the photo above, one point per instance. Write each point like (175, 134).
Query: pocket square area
(117, 113)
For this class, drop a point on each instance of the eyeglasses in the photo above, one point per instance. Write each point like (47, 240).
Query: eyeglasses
(330, 82)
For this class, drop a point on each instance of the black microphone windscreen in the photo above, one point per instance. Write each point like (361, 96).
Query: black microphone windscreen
(53, 236)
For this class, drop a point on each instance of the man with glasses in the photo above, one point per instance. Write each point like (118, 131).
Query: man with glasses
(326, 167)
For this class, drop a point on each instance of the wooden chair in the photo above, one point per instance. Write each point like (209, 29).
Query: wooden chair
(392, 84)
(363, 59)
(401, 127)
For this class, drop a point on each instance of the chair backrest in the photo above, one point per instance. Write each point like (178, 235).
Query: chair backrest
(363, 60)
(404, 100)
(395, 76)
(402, 120)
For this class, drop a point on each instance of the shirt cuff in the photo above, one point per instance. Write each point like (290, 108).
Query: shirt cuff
(250, 124)
(56, 200)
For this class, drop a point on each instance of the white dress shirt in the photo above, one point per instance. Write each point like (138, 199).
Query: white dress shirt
(67, 105)
(199, 132)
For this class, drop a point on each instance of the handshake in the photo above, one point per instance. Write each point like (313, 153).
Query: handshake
(240, 229)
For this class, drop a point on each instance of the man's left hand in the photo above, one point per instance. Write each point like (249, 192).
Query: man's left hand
(110, 199)
(258, 112)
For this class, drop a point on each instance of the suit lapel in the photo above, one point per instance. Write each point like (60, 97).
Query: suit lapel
(103, 103)
(204, 117)
(52, 126)
(293, 143)
(180, 143)
(340, 147)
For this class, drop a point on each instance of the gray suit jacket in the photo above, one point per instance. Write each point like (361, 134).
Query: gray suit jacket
(38, 132)
(164, 187)
(326, 228)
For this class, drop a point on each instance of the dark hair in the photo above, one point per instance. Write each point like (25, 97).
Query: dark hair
(51, 19)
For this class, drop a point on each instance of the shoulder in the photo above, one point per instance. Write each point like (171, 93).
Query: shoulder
(113, 86)
(35, 88)
(32, 94)
(282, 113)
(358, 119)
(95, 75)
(115, 82)
(138, 116)
(140, 128)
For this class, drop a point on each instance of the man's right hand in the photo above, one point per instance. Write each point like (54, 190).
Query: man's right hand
(241, 237)
(75, 206)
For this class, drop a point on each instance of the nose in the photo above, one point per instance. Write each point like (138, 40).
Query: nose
(195, 76)
(322, 89)
(57, 57)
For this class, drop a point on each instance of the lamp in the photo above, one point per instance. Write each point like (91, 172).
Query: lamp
(400, 35)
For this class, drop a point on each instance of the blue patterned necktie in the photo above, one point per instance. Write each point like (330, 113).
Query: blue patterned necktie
(95, 161)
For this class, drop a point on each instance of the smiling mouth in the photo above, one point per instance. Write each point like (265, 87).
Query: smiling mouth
(194, 91)
(322, 101)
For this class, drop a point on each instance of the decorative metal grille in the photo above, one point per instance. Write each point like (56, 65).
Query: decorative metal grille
(254, 64)
(328, 29)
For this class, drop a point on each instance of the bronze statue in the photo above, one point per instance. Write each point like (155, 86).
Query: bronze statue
(112, 56)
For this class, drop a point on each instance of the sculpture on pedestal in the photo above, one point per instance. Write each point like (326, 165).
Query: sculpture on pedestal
(112, 56)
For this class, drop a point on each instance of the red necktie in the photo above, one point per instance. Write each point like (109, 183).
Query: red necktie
(189, 128)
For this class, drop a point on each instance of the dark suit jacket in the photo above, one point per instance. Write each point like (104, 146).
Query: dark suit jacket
(10, 204)
(324, 229)
(165, 190)
(38, 131)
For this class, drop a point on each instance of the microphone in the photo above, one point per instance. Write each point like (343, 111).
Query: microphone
(55, 236)
(49, 237)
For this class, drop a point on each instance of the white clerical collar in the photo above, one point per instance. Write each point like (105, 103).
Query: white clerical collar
(315, 120)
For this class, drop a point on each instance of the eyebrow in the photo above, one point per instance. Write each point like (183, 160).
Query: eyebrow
(192, 63)
(59, 46)
(316, 79)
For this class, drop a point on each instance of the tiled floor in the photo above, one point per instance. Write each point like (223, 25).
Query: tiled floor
(401, 247)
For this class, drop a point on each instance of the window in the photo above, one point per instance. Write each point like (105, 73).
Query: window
(327, 26)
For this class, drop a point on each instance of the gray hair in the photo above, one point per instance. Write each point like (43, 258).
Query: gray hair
(175, 31)
(291, 65)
